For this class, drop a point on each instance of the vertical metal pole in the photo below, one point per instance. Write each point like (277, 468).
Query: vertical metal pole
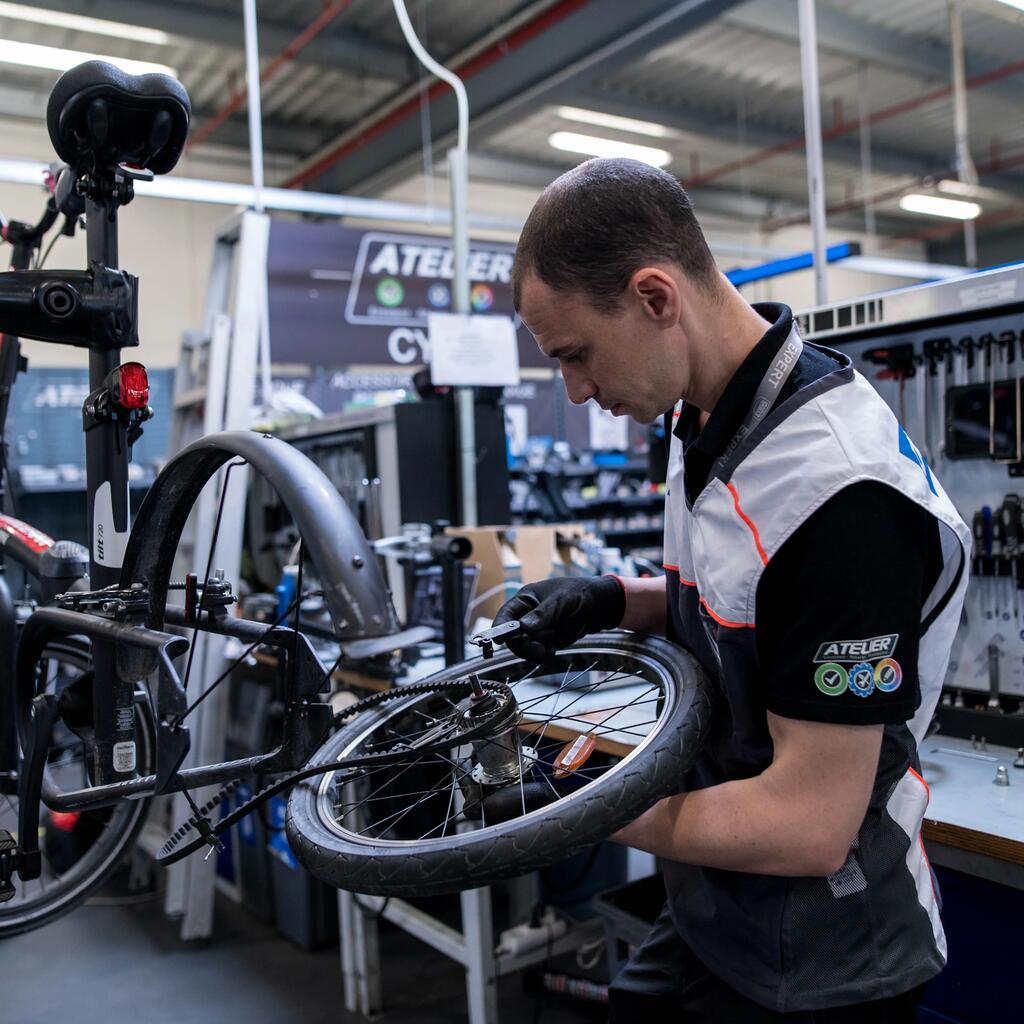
(965, 169)
(481, 970)
(812, 133)
(458, 175)
(252, 81)
(454, 609)
(865, 152)
(252, 76)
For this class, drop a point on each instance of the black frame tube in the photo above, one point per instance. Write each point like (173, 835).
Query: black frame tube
(106, 477)
(8, 730)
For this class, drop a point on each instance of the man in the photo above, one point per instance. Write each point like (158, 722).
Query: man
(815, 568)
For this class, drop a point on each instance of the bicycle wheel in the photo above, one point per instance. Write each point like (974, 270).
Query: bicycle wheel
(79, 851)
(585, 743)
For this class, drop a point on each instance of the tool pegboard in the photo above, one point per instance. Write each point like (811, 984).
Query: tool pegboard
(948, 359)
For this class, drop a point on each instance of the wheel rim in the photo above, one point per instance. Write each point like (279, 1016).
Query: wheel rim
(82, 847)
(616, 697)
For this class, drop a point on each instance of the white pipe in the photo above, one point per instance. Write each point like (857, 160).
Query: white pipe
(965, 168)
(458, 176)
(461, 99)
(252, 81)
(812, 132)
(865, 153)
(226, 193)
(914, 269)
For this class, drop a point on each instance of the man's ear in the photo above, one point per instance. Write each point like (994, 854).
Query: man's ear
(657, 293)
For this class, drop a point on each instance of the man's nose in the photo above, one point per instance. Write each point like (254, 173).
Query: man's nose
(577, 386)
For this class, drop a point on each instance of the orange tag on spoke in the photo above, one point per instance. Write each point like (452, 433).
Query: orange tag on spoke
(574, 755)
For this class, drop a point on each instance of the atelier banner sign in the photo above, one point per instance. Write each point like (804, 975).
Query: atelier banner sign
(340, 296)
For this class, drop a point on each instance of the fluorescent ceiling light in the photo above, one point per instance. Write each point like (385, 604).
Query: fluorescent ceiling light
(591, 145)
(20, 12)
(625, 124)
(937, 206)
(34, 56)
(953, 187)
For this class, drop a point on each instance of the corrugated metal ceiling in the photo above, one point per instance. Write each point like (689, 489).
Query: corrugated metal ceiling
(727, 90)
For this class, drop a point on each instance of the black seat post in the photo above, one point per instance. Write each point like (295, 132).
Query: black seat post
(106, 450)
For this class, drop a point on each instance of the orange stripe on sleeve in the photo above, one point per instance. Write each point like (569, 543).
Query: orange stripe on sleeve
(725, 622)
(750, 524)
(675, 569)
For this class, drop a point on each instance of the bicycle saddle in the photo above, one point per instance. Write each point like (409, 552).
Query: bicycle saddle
(99, 117)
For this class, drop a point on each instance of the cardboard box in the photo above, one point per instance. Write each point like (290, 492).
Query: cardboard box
(510, 556)
(501, 571)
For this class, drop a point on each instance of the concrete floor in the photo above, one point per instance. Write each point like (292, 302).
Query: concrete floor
(124, 964)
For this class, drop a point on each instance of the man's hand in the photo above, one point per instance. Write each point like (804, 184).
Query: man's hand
(556, 613)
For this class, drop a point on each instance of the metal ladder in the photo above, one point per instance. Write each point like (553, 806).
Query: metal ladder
(214, 390)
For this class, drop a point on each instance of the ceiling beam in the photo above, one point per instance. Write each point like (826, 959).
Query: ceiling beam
(507, 171)
(848, 36)
(745, 209)
(338, 48)
(279, 137)
(709, 125)
(844, 151)
(568, 43)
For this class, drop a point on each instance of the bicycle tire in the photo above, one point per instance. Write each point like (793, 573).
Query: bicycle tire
(526, 843)
(118, 833)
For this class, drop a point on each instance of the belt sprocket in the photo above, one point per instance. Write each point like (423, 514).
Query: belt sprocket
(204, 832)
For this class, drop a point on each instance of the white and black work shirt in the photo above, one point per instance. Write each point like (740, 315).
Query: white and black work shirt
(816, 569)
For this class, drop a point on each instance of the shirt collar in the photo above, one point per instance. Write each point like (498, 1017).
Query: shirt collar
(731, 408)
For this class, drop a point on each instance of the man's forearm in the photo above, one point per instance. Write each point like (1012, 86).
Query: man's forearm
(798, 817)
(735, 826)
(646, 604)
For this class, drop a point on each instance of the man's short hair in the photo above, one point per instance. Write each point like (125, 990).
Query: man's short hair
(596, 225)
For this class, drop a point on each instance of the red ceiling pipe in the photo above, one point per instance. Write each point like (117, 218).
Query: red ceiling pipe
(473, 66)
(289, 53)
(797, 142)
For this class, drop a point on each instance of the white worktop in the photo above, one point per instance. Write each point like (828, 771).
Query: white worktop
(962, 789)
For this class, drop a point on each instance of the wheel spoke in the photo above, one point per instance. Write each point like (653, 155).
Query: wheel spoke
(408, 810)
(582, 693)
(447, 814)
(365, 800)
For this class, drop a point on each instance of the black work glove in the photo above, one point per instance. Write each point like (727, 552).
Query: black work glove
(556, 613)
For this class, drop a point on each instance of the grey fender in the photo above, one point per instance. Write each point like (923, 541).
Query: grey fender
(354, 590)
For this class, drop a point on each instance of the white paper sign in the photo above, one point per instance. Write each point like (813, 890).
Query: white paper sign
(473, 351)
(607, 432)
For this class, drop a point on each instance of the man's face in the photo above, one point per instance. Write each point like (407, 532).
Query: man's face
(618, 359)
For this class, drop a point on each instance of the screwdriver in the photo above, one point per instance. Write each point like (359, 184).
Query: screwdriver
(1009, 516)
(978, 562)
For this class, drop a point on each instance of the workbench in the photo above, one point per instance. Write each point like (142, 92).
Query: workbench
(974, 836)
(973, 825)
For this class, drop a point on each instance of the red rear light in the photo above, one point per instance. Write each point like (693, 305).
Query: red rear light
(132, 388)
(64, 820)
